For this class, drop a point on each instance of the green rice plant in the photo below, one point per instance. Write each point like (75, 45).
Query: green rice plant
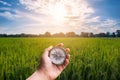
(91, 58)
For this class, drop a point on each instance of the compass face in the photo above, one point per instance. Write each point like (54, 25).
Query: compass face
(57, 55)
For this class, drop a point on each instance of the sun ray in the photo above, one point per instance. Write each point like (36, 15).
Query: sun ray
(58, 12)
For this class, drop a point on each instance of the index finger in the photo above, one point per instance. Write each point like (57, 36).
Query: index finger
(60, 45)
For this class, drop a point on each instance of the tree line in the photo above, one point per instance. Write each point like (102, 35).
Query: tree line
(68, 34)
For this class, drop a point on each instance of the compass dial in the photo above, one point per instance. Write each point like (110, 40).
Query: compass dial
(57, 55)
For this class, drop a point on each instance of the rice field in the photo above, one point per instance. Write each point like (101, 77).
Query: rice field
(91, 58)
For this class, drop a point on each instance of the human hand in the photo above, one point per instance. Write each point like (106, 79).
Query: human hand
(47, 70)
(51, 70)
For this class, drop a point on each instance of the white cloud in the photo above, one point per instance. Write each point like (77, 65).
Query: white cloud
(5, 3)
(20, 15)
(3, 29)
(93, 19)
(109, 23)
(77, 15)
(5, 8)
(75, 9)
(9, 15)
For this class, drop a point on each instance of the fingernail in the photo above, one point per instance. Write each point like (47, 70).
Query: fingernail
(51, 46)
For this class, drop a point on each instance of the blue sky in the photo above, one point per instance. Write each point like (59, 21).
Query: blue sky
(39, 16)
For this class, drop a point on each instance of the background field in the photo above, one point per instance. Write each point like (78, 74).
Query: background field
(91, 58)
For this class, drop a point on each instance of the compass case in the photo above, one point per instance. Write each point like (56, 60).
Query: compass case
(57, 55)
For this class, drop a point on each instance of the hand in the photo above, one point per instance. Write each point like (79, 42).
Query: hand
(47, 70)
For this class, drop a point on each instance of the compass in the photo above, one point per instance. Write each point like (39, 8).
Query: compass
(57, 55)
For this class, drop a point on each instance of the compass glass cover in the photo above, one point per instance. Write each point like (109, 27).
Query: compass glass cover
(57, 55)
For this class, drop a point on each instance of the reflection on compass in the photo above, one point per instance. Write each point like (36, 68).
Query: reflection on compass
(57, 55)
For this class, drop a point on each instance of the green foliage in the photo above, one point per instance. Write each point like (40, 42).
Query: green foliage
(91, 58)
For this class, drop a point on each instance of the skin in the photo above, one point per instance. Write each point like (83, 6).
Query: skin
(47, 70)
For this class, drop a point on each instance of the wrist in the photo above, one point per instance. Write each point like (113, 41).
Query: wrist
(43, 74)
(38, 75)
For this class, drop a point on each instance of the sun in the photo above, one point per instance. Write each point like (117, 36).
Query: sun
(58, 12)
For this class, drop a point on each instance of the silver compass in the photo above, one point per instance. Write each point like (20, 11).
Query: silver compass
(57, 55)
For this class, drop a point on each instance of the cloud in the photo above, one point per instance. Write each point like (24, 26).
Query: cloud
(5, 9)
(47, 6)
(41, 16)
(3, 29)
(106, 25)
(75, 9)
(109, 23)
(5, 3)
(18, 15)
(78, 13)
(93, 19)
(9, 15)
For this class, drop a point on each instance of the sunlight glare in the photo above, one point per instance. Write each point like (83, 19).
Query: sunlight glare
(58, 12)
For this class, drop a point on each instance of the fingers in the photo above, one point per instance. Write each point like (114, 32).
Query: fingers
(67, 50)
(49, 48)
(68, 56)
(60, 45)
(62, 67)
(66, 62)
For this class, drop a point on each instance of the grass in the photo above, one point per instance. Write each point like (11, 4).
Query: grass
(91, 58)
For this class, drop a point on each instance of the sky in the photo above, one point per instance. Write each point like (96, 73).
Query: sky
(40, 16)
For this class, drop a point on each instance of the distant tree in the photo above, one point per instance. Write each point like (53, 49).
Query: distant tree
(84, 34)
(55, 35)
(90, 34)
(108, 34)
(70, 34)
(14, 35)
(3, 35)
(77, 35)
(101, 35)
(118, 33)
(47, 34)
(61, 34)
(22, 35)
(113, 34)
(41, 35)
